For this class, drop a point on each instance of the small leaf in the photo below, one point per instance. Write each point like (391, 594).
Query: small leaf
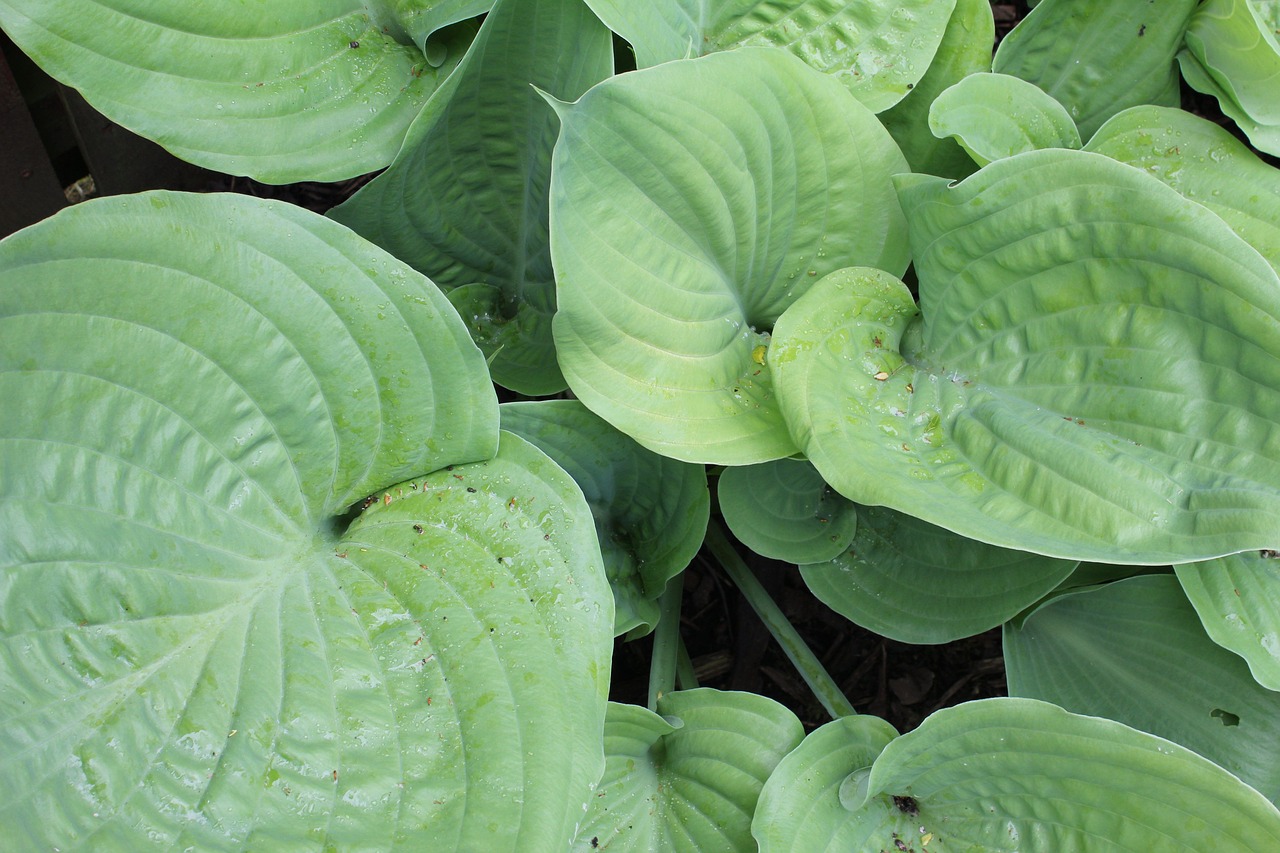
(916, 583)
(1237, 43)
(669, 279)
(995, 115)
(651, 512)
(1134, 651)
(784, 510)
(687, 780)
(1235, 598)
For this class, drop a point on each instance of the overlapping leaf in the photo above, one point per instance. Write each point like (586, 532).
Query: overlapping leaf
(651, 512)
(995, 115)
(1098, 57)
(465, 201)
(784, 510)
(691, 204)
(1092, 372)
(1236, 598)
(687, 780)
(1134, 651)
(280, 90)
(1018, 774)
(193, 651)
(878, 49)
(908, 580)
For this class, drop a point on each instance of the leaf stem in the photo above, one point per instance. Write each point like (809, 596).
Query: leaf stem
(666, 642)
(801, 656)
(686, 677)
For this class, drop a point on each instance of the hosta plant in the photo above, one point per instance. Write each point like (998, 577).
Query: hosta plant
(976, 338)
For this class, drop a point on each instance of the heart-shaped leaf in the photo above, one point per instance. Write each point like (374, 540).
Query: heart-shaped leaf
(466, 205)
(280, 90)
(966, 49)
(915, 583)
(1235, 598)
(687, 780)
(877, 48)
(995, 115)
(668, 279)
(651, 512)
(1203, 162)
(193, 651)
(1098, 57)
(1018, 774)
(1264, 135)
(1134, 651)
(784, 510)
(1237, 44)
(1092, 372)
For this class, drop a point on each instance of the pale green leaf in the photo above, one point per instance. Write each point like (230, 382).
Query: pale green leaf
(1091, 373)
(966, 49)
(1237, 43)
(1098, 57)
(691, 204)
(686, 781)
(1203, 162)
(1265, 136)
(1236, 598)
(879, 49)
(280, 90)
(651, 512)
(194, 652)
(800, 808)
(785, 511)
(995, 115)
(1018, 774)
(465, 201)
(1134, 651)
(915, 583)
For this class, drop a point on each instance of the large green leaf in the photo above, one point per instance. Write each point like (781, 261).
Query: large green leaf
(1018, 774)
(879, 49)
(916, 583)
(1203, 162)
(1092, 372)
(965, 49)
(687, 780)
(801, 807)
(1237, 42)
(280, 90)
(1134, 651)
(996, 115)
(466, 199)
(1098, 57)
(784, 510)
(651, 512)
(691, 203)
(193, 651)
(1265, 136)
(1236, 598)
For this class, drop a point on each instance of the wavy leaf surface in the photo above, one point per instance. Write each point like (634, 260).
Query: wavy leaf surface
(784, 510)
(1235, 598)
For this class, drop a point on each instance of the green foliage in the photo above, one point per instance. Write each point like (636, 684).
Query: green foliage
(277, 571)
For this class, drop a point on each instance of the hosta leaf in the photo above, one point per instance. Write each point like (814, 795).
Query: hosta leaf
(1237, 43)
(651, 512)
(1263, 135)
(1098, 57)
(916, 583)
(995, 115)
(280, 90)
(1134, 651)
(687, 780)
(877, 48)
(1235, 598)
(193, 652)
(1017, 774)
(691, 203)
(1091, 372)
(965, 49)
(801, 808)
(1203, 162)
(784, 510)
(466, 199)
